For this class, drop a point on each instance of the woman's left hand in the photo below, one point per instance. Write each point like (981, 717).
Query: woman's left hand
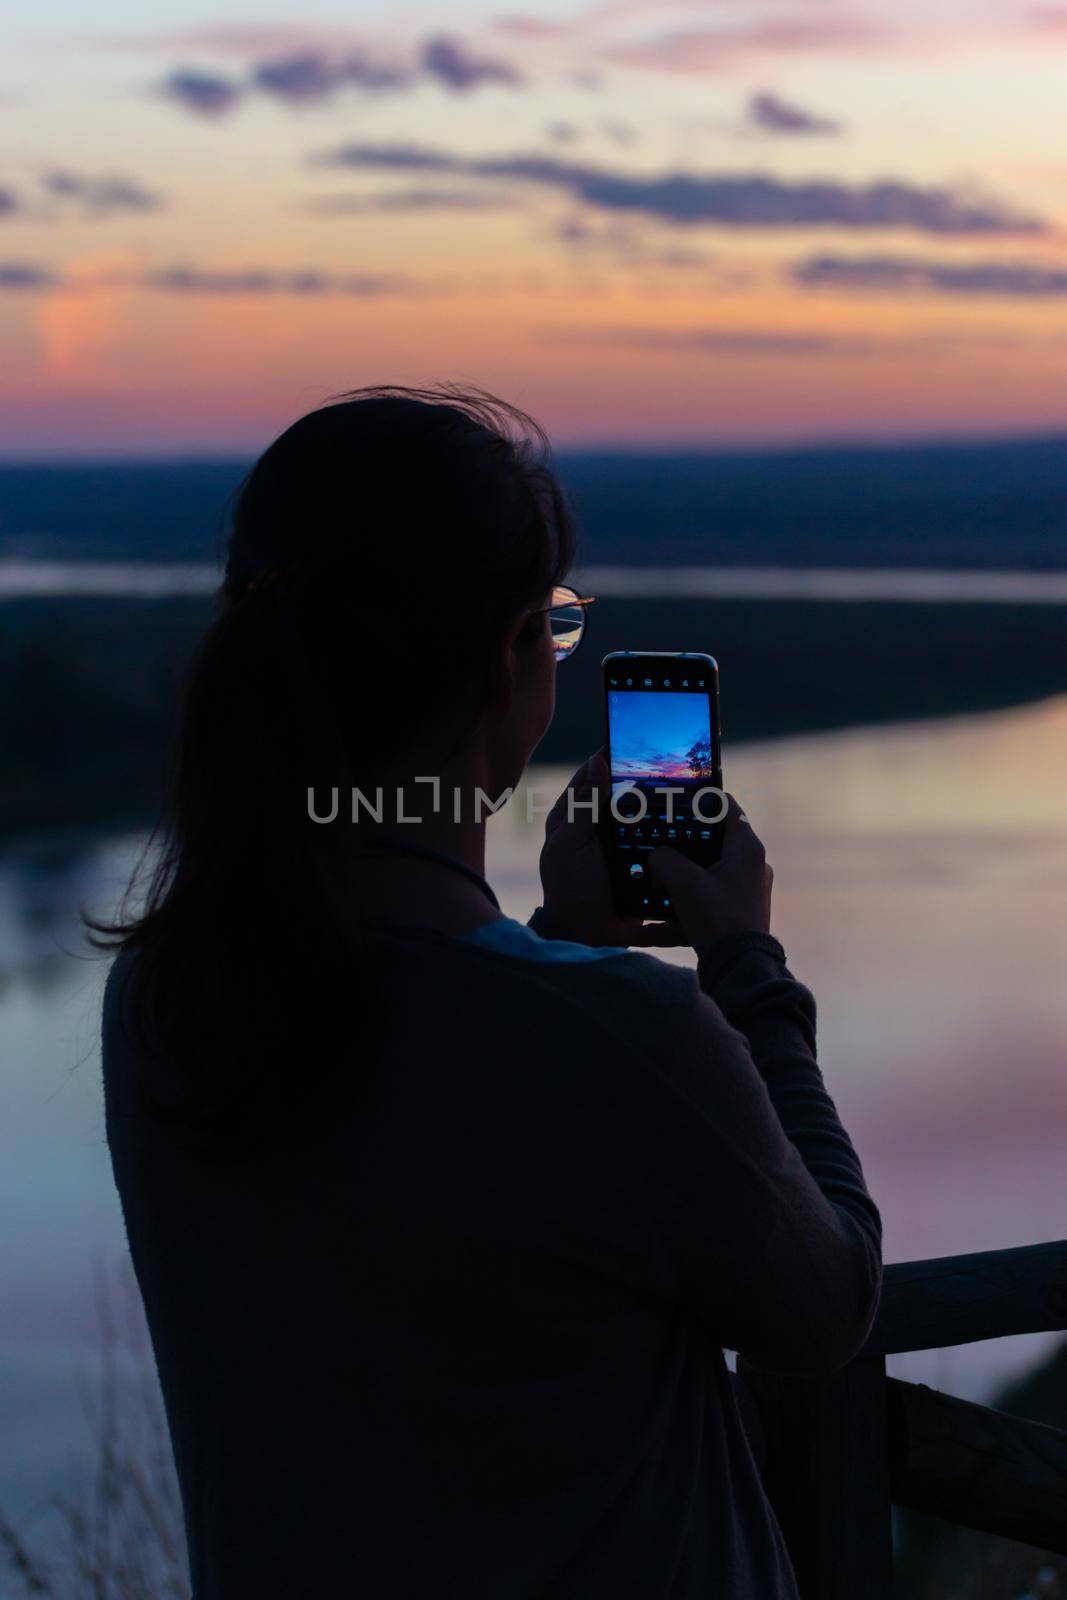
(574, 875)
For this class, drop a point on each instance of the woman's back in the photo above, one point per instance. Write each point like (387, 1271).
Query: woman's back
(457, 1329)
(441, 1230)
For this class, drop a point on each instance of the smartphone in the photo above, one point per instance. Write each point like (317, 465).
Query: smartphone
(665, 753)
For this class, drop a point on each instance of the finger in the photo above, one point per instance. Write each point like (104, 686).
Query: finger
(673, 871)
(590, 783)
(581, 783)
(739, 837)
(556, 815)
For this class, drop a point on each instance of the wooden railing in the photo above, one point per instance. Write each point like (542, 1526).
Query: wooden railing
(837, 1453)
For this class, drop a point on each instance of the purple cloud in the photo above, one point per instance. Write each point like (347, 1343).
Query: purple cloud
(775, 342)
(402, 157)
(25, 275)
(413, 200)
(770, 113)
(378, 77)
(297, 79)
(99, 195)
(267, 281)
(310, 76)
(725, 341)
(207, 94)
(452, 63)
(192, 280)
(9, 202)
(895, 274)
(733, 200)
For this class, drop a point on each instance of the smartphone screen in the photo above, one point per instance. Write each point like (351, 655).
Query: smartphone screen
(666, 769)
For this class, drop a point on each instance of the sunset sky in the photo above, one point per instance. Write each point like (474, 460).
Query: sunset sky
(650, 223)
(652, 733)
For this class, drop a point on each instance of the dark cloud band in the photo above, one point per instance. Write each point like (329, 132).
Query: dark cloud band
(211, 281)
(905, 274)
(265, 281)
(734, 200)
(413, 200)
(310, 77)
(800, 344)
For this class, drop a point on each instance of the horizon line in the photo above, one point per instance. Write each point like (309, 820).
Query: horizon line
(622, 446)
(24, 578)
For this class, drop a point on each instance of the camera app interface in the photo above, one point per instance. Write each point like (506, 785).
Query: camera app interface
(661, 738)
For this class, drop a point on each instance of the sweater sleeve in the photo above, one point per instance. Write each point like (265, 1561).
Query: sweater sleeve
(761, 1220)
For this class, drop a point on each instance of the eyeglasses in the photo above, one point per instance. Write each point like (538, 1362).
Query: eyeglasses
(566, 619)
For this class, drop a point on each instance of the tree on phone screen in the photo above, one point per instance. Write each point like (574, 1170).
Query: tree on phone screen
(699, 759)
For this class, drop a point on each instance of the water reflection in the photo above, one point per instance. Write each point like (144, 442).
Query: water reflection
(921, 890)
(44, 885)
(921, 877)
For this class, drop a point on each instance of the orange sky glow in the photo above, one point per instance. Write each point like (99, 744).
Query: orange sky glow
(685, 224)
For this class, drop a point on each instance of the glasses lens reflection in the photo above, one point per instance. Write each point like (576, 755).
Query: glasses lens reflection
(568, 624)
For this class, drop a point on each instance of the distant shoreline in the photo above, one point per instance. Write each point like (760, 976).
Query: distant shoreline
(25, 579)
(954, 506)
(89, 682)
(764, 447)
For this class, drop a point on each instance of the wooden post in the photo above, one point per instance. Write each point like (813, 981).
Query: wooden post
(977, 1467)
(827, 1476)
(958, 1299)
(835, 1451)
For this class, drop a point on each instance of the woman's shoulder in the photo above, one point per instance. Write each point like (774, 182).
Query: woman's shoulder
(598, 1007)
(511, 937)
(615, 981)
(513, 955)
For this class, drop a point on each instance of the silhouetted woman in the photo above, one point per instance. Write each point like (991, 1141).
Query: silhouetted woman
(442, 1222)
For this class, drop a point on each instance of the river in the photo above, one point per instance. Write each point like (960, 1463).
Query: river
(921, 891)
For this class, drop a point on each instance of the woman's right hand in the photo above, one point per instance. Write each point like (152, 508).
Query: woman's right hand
(732, 896)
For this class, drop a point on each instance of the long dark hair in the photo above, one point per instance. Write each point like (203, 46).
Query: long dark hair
(378, 550)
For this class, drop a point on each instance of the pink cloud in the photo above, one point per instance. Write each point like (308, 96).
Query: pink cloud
(1048, 19)
(714, 50)
(529, 27)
